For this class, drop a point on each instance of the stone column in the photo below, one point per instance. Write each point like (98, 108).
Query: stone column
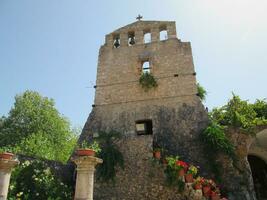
(85, 177)
(5, 173)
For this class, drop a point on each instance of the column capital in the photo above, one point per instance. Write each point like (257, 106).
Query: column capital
(7, 165)
(86, 162)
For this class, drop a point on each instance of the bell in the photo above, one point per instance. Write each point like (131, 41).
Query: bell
(132, 42)
(116, 43)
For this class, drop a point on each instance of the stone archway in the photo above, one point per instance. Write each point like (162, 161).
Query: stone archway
(257, 157)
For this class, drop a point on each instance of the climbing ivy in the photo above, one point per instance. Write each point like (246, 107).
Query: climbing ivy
(147, 81)
(111, 155)
(216, 139)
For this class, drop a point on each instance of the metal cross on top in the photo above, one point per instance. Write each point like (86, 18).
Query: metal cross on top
(139, 17)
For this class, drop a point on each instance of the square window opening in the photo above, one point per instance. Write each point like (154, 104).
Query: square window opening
(144, 127)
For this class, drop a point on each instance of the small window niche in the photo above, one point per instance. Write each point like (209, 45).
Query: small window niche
(147, 37)
(144, 127)
(163, 34)
(131, 39)
(146, 67)
(116, 41)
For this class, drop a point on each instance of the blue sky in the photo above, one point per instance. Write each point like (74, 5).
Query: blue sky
(52, 46)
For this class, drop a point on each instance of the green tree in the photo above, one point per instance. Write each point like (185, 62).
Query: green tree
(260, 107)
(241, 114)
(35, 127)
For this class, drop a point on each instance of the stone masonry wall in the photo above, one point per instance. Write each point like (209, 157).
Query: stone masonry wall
(119, 70)
(177, 114)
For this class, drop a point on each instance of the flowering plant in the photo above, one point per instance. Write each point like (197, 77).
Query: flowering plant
(197, 184)
(192, 170)
(208, 182)
(181, 165)
(171, 161)
(199, 180)
(215, 190)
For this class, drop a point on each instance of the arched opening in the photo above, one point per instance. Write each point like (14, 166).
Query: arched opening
(116, 41)
(147, 37)
(163, 35)
(146, 67)
(259, 174)
(131, 38)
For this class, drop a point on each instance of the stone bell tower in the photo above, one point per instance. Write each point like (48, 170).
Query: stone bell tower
(169, 116)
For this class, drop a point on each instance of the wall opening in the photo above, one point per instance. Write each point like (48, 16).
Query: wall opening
(147, 37)
(131, 38)
(146, 67)
(116, 41)
(144, 127)
(163, 34)
(259, 174)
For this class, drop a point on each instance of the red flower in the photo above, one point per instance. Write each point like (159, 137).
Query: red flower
(182, 164)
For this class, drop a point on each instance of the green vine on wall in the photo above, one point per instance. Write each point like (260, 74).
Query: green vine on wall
(216, 139)
(147, 81)
(111, 155)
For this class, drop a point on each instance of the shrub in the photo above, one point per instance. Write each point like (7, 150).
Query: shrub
(34, 180)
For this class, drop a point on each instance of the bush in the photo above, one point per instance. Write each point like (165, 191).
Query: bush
(34, 180)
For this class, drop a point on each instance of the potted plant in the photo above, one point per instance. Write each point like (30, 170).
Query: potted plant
(157, 153)
(191, 172)
(206, 187)
(197, 185)
(215, 194)
(87, 149)
(5, 153)
(182, 167)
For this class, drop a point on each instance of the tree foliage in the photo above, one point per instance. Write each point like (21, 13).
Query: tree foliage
(260, 107)
(236, 113)
(35, 127)
(241, 114)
